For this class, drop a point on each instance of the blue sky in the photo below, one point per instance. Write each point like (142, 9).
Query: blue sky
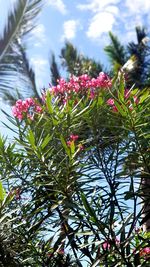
(86, 24)
(83, 22)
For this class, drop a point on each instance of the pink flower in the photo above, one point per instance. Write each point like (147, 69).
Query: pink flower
(25, 108)
(80, 84)
(110, 102)
(126, 93)
(38, 109)
(74, 137)
(81, 147)
(14, 111)
(31, 117)
(106, 245)
(17, 113)
(92, 94)
(117, 242)
(136, 100)
(114, 108)
(30, 101)
(103, 80)
(61, 251)
(145, 251)
(69, 143)
(18, 194)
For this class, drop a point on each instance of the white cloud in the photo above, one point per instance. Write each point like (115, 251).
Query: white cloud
(137, 12)
(59, 5)
(112, 9)
(97, 5)
(39, 34)
(101, 23)
(103, 19)
(70, 29)
(138, 6)
(115, 15)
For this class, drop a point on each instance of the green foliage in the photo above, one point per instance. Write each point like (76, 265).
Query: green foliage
(71, 203)
(116, 51)
(140, 74)
(20, 21)
(54, 70)
(138, 53)
(85, 202)
(78, 64)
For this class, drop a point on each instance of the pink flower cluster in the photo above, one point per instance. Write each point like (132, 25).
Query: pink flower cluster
(81, 84)
(145, 251)
(106, 244)
(72, 139)
(25, 107)
(111, 101)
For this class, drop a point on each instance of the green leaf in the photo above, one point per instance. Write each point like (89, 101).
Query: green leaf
(129, 195)
(20, 21)
(2, 192)
(72, 147)
(120, 109)
(31, 138)
(9, 197)
(100, 100)
(144, 96)
(91, 212)
(65, 146)
(45, 142)
(49, 102)
(121, 88)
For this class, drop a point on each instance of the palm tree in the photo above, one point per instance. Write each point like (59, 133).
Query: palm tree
(55, 75)
(78, 64)
(13, 59)
(137, 52)
(140, 50)
(116, 51)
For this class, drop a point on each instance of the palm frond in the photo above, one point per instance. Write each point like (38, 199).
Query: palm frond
(116, 50)
(28, 74)
(140, 33)
(55, 75)
(20, 22)
(77, 64)
(140, 50)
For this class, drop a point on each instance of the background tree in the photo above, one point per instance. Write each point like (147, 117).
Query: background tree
(13, 60)
(77, 64)
(116, 52)
(136, 53)
(55, 75)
